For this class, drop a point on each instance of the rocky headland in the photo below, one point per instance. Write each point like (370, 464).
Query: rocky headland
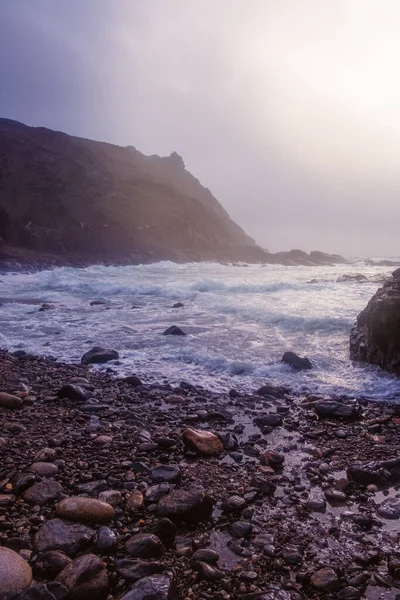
(114, 489)
(375, 338)
(65, 200)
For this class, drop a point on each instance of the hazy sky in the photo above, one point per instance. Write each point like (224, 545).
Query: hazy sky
(288, 110)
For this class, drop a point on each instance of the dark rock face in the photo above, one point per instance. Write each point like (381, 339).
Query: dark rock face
(295, 361)
(99, 355)
(375, 338)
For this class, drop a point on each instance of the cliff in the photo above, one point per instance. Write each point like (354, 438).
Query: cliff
(375, 338)
(75, 197)
(68, 200)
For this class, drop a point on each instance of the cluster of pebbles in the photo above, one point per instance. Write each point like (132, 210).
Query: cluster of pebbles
(113, 489)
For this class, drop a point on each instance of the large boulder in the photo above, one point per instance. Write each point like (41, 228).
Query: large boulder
(375, 338)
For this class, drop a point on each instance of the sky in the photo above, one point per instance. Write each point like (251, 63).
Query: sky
(288, 110)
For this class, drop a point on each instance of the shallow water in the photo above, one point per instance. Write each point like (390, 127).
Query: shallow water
(239, 321)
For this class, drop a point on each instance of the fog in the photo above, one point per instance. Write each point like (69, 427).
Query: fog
(288, 111)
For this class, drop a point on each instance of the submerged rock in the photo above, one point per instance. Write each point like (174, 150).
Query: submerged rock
(375, 338)
(174, 330)
(296, 361)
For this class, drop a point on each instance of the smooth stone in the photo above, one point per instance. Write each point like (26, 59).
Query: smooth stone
(77, 508)
(133, 380)
(113, 497)
(106, 541)
(206, 555)
(330, 409)
(15, 572)
(269, 420)
(51, 563)
(10, 401)
(208, 572)
(45, 469)
(43, 492)
(103, 440)
(144, 545)
(45, 455)
(62, 535)
(72, 391)
(85, 577)
(205, 442)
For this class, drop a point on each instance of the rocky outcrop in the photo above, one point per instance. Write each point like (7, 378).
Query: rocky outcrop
(66, 200)
(375, 338)
(78, 198)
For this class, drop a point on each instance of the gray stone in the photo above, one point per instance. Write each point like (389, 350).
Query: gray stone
(15, 572)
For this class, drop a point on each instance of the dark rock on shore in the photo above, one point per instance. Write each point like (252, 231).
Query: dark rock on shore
(191, 505)
(99, 355)
(375, 338)
(330, 409)
(295, 361)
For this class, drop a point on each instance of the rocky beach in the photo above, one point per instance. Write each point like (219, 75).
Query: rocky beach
(113, 488)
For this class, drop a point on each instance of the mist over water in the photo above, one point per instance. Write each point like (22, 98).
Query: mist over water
(239, 321)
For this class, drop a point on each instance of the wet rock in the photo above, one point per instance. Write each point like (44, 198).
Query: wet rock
(45, 469)
(74, 392)
(77, 508)
(168, 473)
(103, 440)
(112, 497)
(296, 361)
(68, 537)
(368, 473)
(51, 563)
(44, 591)
(174, 330)
(272, 458)
(230, 441)
(240, 529)
(85, 577)
(316, 502)
(23, 482)
(178, 305)
(10, 401)
(389, 508)
(330, 409)
(335, 496)
(144, 545)
(15, 572)
(106, 541)
(204, 442)
(92, 487)
(375, 338)
(325, 580)
(263, 484)
(135, 569)
(43, 492)
(206, 555)
(349, 593)
(291, 555)
(271, 390)
(207, 571)
(155, 587)
(164, 529)
(192, 505)
(135, 501)
(98, 355)
(234, 504)
(269, 420)
(133, 380)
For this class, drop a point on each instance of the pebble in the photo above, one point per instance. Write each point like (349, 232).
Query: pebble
(325, 579)
(144, 545)
(192, 505)
(45, 469)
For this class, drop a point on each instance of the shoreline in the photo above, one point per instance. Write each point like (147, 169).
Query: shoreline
(275, 518)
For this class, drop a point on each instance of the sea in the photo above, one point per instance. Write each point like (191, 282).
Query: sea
(238, 319)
